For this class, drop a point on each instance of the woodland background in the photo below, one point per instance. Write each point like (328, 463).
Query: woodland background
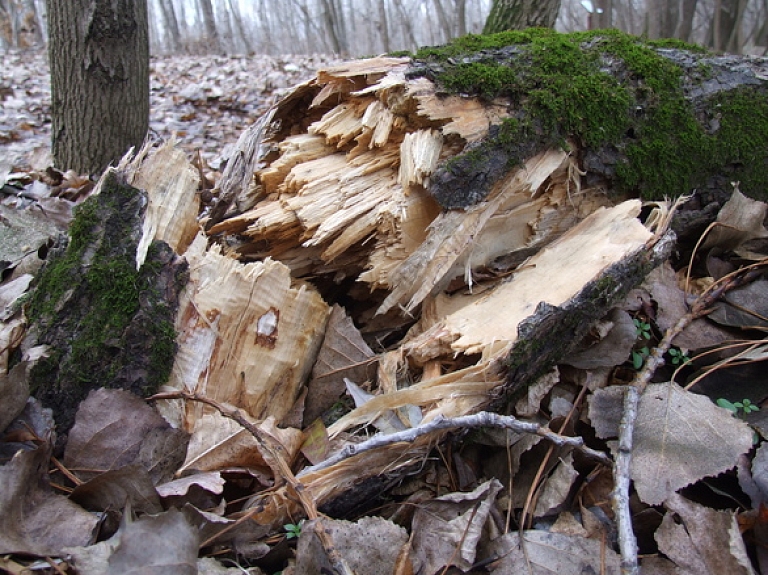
(353, 28)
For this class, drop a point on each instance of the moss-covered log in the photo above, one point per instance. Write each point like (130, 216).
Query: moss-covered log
(104, 323)
(650, 118)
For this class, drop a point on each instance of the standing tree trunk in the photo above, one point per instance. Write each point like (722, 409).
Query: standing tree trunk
(685, 26)
(461, 17)
(172, 25)
(521, 14)
(602, 18)
(209, 21)
(99, 57)
(384, 26)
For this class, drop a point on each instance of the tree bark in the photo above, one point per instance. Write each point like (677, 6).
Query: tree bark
(384, 26)
(521, 14)
(725, 29)
(172, 24)
(99, 54)
(209, 21)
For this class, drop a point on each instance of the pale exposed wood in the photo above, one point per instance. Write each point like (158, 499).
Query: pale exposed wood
(343, 123)
(293, 150)
(247, 336)
(465, 117)
(419, 154)
(340, 190)
(530, 205)
(173, 204)
(371, 68)
(473, 324)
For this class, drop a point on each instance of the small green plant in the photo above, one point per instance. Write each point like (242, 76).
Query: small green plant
(643, 328)
(740, 408)
(678, 356)
(293, 530)
(639, 356)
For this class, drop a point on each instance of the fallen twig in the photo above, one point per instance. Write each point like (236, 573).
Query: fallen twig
(482, 419)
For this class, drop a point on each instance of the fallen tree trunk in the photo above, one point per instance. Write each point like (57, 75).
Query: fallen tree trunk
(472, 237)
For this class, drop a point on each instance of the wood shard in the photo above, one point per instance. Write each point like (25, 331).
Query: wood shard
(173, 204)
(473, 324)
(247, 336)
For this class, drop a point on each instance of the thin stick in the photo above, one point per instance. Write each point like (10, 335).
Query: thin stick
(440, 423)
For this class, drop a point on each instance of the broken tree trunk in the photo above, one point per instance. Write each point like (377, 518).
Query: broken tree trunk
(467, 217)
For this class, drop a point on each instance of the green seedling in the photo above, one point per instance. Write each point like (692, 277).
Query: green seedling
(678, 356)
(740, 408)
(643, 329)
(639, 356)
(293, 530)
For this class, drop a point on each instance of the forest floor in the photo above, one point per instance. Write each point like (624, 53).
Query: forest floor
(480, 502)
(205, 101)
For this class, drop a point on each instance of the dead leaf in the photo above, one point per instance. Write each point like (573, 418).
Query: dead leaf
(129, 485)
(14, 389)
(446, 530)
(369, 546)
(344, 353)
(32, 424)
(662, 287)
(742, 220)
(606, 407)
(211, 481)
(552, 553)
(165, 543)
(613, 347)
(218, 443)
(760, 470)
(702, 541)
(33, 519)
(680, 438)
(556, 488)
(110, 428)
(530, 405)
(745, 307)
(10, 292)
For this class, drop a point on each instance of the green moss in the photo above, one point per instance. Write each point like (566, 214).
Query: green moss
(675, 44)
(605, 89)
(106, 323)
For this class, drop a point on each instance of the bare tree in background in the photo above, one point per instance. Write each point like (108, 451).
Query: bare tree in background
(99, 56)
(521, 14)
(725, 34)
(209, 20)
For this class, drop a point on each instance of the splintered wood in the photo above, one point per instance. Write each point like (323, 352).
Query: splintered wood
(337, 211)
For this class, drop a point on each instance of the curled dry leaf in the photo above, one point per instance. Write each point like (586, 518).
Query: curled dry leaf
(33, 519)
(447, 530)
(702, 541)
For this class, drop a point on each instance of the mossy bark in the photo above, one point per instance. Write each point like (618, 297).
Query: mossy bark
(653, 119)
(105, 323)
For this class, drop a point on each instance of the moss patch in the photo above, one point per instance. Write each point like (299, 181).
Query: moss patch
(618, 97)
(106, 323)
